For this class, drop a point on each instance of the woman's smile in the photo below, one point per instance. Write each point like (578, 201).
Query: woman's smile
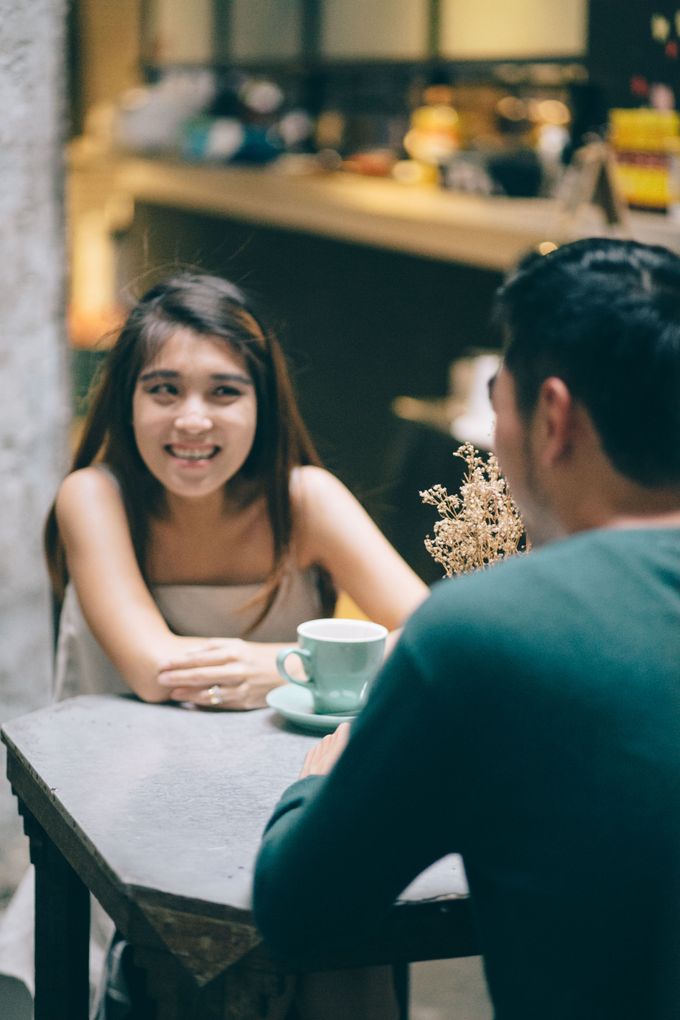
(192, 454)
(194, 414)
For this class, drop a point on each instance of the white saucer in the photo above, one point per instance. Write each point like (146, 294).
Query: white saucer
(295, 704)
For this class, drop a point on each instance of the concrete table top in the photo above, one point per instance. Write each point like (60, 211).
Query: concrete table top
(171, 799)
(158, 811)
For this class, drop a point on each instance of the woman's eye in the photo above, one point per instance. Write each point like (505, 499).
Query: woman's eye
(162, 390)
(227, 391)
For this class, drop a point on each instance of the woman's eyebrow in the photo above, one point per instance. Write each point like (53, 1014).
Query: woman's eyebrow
(158, 373)
(232, 377)
(165, 373)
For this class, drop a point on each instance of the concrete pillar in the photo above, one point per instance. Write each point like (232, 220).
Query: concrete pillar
(33, 381)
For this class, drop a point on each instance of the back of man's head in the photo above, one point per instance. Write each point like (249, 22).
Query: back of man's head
(604, 316)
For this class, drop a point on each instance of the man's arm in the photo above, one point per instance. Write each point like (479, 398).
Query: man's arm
(340, 848)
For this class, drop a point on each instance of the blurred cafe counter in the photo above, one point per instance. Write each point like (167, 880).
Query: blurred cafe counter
(375, 286)
(490, 232)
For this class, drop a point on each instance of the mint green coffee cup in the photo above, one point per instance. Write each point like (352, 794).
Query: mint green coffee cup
(340, 659)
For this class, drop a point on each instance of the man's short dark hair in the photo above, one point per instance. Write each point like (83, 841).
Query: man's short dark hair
(604, 316)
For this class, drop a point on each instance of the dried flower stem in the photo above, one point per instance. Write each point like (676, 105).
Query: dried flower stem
(478, 527)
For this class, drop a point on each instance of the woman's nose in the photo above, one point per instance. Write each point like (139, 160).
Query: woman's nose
(193, 420)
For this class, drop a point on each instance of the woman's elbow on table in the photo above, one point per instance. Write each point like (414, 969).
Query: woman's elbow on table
(143, 682)
(142, 663)
(152, 696)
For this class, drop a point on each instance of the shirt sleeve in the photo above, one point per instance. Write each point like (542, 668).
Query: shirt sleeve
(339, 849)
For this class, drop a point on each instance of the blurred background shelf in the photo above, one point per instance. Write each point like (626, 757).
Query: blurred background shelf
(490, 232)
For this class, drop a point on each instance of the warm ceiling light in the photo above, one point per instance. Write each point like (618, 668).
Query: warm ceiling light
(553, 111)
(512, 108)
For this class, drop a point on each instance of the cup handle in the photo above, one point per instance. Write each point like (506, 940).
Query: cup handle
(302, 654)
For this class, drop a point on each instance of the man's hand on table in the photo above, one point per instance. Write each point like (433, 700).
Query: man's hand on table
(321, 759)
(323, 756)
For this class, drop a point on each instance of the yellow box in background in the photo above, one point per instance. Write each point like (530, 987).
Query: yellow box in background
(647, 147)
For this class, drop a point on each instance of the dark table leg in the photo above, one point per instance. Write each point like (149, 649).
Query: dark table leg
(402, 989)
(62, 931)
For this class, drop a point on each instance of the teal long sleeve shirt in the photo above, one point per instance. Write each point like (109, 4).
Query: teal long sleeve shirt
(528, 719)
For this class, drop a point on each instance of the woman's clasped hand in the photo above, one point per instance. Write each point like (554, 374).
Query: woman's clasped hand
(229, 674)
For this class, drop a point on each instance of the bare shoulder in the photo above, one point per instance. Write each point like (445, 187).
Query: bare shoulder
(325, 513)
(89, 482)
(310, 484)
(87, 491)
(334, 530)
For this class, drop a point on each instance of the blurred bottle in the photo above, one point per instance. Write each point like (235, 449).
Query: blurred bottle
(647, 145)
(433, 137)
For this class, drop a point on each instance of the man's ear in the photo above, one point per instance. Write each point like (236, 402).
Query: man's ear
(553, 421)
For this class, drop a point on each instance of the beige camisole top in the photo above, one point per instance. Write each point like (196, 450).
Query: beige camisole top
(196, 610)
(82, 667)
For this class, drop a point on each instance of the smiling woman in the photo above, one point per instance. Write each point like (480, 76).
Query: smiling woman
(195, 478)
(197, 529)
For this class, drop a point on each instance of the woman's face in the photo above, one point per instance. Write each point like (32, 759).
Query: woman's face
(194, 414)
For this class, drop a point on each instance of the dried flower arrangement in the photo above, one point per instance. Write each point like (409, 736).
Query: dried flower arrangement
(479, 526)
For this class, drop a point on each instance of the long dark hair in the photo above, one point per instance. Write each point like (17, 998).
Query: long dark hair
(216, 308)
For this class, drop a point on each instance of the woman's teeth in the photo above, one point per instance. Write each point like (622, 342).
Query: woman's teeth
(183, 453)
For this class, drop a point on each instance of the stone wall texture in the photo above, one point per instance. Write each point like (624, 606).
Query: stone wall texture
(33, 386)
